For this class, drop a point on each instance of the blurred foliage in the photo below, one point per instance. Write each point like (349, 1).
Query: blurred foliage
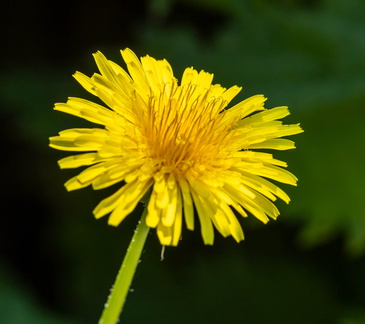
(308, 55)
(18, 305)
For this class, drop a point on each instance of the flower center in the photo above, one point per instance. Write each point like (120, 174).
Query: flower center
(184, 129)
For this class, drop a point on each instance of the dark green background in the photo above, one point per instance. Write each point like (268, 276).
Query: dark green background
(57, 262)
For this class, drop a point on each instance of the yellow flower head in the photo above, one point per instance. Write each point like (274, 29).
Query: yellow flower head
(178, 141)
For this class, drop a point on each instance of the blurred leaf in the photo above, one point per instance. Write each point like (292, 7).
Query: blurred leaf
(18, 306)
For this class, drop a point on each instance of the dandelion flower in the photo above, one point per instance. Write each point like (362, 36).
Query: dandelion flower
(179, 143)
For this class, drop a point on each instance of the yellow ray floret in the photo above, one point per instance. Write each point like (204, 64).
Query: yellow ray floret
(180, 144)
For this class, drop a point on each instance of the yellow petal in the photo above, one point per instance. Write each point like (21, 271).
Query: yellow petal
(136, 71)
(154, 213)
(128, 201)
(187, 203)
(178, 222)
(164, 234)
(86, 82)
(205, 222)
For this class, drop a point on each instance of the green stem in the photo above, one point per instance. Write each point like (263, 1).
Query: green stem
(116, 299)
